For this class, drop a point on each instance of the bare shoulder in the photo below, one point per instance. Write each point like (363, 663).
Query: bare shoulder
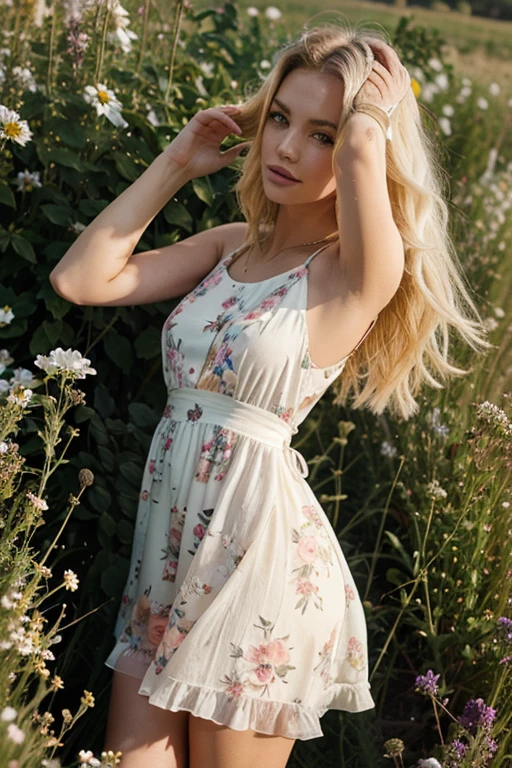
(232, 236)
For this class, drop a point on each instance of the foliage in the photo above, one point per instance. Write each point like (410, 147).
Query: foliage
(99, 105)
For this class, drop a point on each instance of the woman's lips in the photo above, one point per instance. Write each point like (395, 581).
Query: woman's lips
(278, 179)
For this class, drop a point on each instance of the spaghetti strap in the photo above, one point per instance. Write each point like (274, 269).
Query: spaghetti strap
(364, 337)
(306, 263)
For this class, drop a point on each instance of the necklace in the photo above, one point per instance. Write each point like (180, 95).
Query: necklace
(312, 242)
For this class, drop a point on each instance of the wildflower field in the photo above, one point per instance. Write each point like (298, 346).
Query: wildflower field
(90, 92)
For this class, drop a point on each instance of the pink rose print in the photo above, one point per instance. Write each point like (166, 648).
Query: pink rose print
(349, 594)
(199, 531)
(307, 548)
(151, 466)
(270, 659)
(305, 587)
(155, 629)
(168, 443)
(144, 495)
(309, 511)
(324, 664)
(355, 653)
(170, 570)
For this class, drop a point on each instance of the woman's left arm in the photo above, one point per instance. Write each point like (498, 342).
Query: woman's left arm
(372, 252)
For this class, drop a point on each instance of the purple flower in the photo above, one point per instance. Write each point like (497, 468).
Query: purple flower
(427, 684)
(476, 712)
(505, 630)
(459, 747)
(492, 744)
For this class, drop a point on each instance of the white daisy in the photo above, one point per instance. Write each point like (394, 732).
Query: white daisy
(106, 103)
(273, 13)
(12, 127)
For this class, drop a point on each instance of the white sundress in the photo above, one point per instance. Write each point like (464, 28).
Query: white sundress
(239, 605)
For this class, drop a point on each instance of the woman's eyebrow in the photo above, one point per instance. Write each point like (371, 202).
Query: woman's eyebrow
(312, 120)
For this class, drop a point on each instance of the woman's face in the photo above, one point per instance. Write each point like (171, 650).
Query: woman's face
(293, 142)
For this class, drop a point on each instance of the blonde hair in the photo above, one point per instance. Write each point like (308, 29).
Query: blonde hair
(411, 334)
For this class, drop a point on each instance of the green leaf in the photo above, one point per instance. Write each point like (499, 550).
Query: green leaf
(148, 343)
(113, 580)
(83, 413)
(177, 214)
(142, 415)
(125, 531)
(66, 157)
(7, 196)
(23, 248)
(119, 349)
(203, 189)
(70, 132)
(126, 167)
(108, 524)
(58, 215)
(92, 208)
(131, 472)
(52, 330)
(99, 498)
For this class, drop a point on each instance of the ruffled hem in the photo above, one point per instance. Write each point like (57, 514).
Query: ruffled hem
(276, 718)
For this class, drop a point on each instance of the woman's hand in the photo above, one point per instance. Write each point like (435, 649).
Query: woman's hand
(389, 80)
(196, 149)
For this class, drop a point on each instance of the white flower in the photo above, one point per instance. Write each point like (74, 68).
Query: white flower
(12, 127)
(429, 91)
(23, 376)
(499, 312)
(442, 81)
(273, 13)
(252, 11)
(27, 181)
(463, 95)
(482, 103)
(152, 118)
(40, 12)
(494, 89)
(430, 762)
(435, 491)
(106, 103)
(6, 315)
(435, 64)
(47, 655)
(19, 395)
(387, 449)
(71, 580)
(68, 362)
(448, 110)
(207, 67)
(466, 81)
(87, 758)
(77, 227)
(265, 64)
(8, 714)
(15, 734)
(24, 78)
(445, 125)
(36, 501)
(121, 21)
(418, 74)
(490, 323)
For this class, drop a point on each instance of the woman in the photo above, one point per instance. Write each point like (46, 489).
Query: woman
(240, 624)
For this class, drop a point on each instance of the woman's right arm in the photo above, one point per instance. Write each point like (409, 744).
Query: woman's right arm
(100, 268)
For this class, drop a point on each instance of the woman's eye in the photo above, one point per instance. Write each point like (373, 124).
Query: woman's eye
(325, 138)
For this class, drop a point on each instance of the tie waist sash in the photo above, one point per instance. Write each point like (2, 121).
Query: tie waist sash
(249, 420)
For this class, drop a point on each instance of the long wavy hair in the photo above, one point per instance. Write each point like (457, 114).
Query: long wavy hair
(410, 340)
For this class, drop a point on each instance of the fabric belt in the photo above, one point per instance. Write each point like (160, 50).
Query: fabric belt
(249, 420)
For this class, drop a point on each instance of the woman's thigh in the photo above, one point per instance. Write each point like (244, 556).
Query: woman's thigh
(145, 734)
(217, 746)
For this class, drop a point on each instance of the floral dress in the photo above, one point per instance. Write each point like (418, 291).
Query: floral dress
(239, 605)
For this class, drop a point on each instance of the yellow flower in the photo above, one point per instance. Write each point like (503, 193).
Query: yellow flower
(113, 758)
(416, 87)
(87, 699)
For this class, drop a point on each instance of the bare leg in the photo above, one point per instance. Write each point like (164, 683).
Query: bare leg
(145, 734)
(216, 746)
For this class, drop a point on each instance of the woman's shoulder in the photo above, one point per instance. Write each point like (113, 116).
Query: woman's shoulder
(233, 236)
